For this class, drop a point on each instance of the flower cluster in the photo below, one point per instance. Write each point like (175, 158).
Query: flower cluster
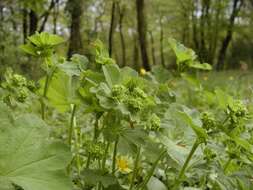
(17, 87)
(236, 111)
(209, 154)
(208, 121)
(154, 123)
(135, 98)
(96, 150)
(101, 54)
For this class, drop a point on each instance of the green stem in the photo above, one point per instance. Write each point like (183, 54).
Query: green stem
(77, 146)
(88, 161)
(114, 155)
(182, 172)
(135, 168)
(151, 171)
(72, 119)
(94, 140)
(105, 155)
(44, 97)
(225, 120)
(103, 163)
(96, 132)
(227, 164)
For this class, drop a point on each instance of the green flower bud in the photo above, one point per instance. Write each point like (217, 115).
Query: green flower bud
(19, 80)
(155, 122)
(119, 92)
(96, 150)
(22, 95)
(236, 110)
(208, 121)
(209, 154)
(139, 93)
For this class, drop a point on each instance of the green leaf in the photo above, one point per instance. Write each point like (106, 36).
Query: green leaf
(61, 93)
(202, 66)
(127, 73)
(199, 131)
(45, 39)
(93, 177)
(70, 69)
(176, 152)
(112, 74)
(29, 49)
(28, 159)
(76, 66)
(182, 53)
(243, 143)
(80, 60)
(155, 184)
(222, 98)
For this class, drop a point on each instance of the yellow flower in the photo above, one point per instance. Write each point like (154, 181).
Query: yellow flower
(231, 78)
(205, 78)
(122, 164)
(143, 71)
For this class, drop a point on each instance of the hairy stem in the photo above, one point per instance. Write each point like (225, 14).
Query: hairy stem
(151, 171)
(135, 168)
(227, 164)
(43, 106)
(72, 120)
(105, 155)
(95, 136)
(186, 163)
(114, 155)
(77, 146)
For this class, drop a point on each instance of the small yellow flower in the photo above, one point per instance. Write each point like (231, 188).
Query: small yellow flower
(122, 164)
(143, 71)
(205, 78)
(231, 78)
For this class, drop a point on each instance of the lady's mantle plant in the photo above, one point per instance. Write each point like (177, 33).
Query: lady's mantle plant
(124, 130)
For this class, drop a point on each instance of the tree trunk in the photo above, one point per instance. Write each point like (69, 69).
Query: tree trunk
(142, 30)
(25, 25)
(33, 22)
(55, 16)
(186, 23)
(194, 28)
(112, 28)
(161, 42)
(152, 47)
(215, 34)
(237, 4)
(46, 15)
(136, 58)
(75, 41)
(202, 47)
(123, 45)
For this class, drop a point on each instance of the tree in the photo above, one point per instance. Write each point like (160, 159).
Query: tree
(46, 15)
(237, 4)
(33, 22)
(142, 31)
(75, 41)
(121, 11)
(112, 27)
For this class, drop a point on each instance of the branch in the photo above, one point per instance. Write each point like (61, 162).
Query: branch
(46, 15)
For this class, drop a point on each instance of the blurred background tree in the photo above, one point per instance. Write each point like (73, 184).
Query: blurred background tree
(135, 31)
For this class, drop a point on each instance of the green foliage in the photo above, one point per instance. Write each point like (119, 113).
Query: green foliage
(124, 130)
(186, 57)
(41, 44)
(101, 54)
(16, 88)
(28, 159)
